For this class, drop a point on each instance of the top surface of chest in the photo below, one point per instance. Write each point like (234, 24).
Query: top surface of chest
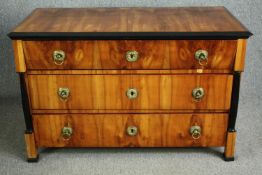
(130, 23)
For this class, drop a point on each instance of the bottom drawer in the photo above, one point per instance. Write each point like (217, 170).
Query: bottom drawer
(127, 130)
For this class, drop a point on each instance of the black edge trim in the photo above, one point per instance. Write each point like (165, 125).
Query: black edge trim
(25, 104)
(234, 101)
(128, 35)
(33, 160)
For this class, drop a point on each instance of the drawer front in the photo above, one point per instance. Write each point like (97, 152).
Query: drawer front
(130, 91)
(112, 54)
(119, 130)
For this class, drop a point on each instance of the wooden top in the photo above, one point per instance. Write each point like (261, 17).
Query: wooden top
(130, 23)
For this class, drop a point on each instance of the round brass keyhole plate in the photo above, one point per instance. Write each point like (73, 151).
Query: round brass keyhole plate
(131, 93)
(132, 56)
(198, 93)
(63, 93)
(132, 130)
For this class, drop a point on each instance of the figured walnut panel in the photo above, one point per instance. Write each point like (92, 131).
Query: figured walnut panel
(181, 19)
(154, 130)
(109, 91)
(111, 54)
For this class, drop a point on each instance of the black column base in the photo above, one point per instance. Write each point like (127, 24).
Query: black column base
(228, 159)
(33, 160)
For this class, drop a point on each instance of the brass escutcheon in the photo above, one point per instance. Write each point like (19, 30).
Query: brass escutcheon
(132, 56)
(59, 57)
(67, 132)
(202, 57)
(131, 93)
(198, 93)
(132, 130)
(195, 132)
(63, 93)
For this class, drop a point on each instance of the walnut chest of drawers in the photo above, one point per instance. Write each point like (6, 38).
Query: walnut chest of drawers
(130, 77)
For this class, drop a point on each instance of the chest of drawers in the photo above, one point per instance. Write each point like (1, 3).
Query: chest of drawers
(130, 77)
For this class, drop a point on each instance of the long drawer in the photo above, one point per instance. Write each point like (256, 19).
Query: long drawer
(130, 91)
(119, 130)
(115, 54)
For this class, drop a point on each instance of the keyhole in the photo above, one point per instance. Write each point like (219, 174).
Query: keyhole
(202, 56)
(198, 93)
(131, 93)
(58, 56)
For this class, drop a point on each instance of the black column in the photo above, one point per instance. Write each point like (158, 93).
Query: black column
(25, 104)
(234, 102)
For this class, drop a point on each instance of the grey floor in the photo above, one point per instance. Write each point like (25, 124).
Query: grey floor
(131, 161)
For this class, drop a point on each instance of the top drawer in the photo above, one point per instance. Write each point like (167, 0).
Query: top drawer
(115, 54)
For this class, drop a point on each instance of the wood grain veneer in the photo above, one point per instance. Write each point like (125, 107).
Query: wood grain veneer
(153, 54)
(97, 73)
(127, 72)
(230, 145)
(181, 19)
(109, 91)
(240, 55)
(20, 65)
(31, 147)
(154, 130)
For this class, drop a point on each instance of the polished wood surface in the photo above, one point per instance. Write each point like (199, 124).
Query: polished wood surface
(154, 130)
(240, 55)
(98, 75)
(31, 148)
(109, 91)
(230, 145)
(181, 19)
(153, 54)
(20, 65)
(125, 111)
(128, 72)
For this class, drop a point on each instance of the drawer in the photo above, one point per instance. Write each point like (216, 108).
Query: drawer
(113, 54)
(130, 91)
(119, 130)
